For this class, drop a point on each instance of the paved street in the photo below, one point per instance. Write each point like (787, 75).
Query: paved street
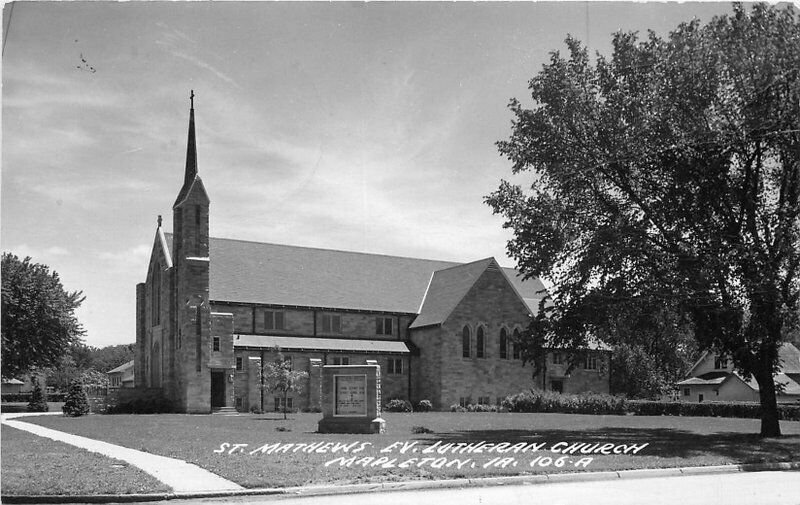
(755, 488)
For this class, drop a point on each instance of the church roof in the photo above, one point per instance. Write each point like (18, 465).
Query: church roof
(448, 287)
(275, 274)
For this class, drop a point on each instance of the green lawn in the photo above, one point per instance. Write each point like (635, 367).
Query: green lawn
(672, 442)
(33, 465)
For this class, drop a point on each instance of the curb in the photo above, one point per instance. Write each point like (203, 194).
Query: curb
(414, 485)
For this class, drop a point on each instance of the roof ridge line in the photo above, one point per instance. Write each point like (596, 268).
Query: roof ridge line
(454, 263)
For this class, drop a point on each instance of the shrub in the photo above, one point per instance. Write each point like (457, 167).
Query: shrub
(398, 405)
(77, 403)
(424, 406)
(38, 401)
(255, 409)
(420, 430)
(138, 401)
(550, 401)
(457, 408)
(481, 407)
(282, 428)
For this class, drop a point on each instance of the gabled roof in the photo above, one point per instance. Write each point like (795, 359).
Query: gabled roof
(446, 289)
(710, 378)
(263, 273)
(320, 344)
(123, 367)
(15, 382)
(788, 354)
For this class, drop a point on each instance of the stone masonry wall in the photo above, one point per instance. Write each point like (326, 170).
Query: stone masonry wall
(493, 304)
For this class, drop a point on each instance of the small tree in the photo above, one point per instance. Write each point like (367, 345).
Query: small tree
(279, 377)
(38, 402)
(77, 403)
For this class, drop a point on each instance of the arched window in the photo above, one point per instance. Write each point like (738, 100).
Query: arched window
(516, 344)
(465, 341)
(503, 344)
(480, 344)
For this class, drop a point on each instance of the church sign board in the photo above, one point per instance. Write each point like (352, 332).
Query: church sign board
(350, 395)
(351, 399)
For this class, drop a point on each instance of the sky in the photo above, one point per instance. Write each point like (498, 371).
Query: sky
(356, 126)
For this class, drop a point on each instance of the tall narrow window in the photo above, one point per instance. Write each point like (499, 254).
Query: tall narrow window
(199, 340)
(155, 299)
(480, 343)
(591, 362)
(215, 344)
(503, 344)
(465, 341)
(720, 363)
(516, 344)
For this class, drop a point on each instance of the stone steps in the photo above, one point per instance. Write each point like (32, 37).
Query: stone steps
(224, 411)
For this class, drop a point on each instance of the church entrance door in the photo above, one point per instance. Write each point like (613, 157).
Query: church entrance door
(217, 389)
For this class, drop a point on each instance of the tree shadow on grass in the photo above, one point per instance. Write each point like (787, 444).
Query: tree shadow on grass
(663, 442)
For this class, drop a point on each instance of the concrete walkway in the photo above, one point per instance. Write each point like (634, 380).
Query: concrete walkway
(181, 476)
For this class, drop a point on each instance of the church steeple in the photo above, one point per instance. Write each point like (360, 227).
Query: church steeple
(191, 155)
(191, 146)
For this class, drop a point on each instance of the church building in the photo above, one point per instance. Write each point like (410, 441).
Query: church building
(212, 311)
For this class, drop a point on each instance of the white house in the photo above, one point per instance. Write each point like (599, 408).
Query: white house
(713, 378)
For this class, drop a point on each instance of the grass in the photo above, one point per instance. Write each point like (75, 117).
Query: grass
(33, 465)
(672, 442)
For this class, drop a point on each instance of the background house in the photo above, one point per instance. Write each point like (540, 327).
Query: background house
(713, 378)
(122, 376)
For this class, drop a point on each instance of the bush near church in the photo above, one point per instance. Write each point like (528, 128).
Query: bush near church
(398, 405)
(138, 401)
(77, 403)
(550, 401)
(424, 406)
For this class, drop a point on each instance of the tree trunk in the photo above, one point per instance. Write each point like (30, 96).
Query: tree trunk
(285, 394)
(769, 405)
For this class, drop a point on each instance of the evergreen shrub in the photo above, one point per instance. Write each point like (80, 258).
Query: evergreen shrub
(38, 400)
(77, 403)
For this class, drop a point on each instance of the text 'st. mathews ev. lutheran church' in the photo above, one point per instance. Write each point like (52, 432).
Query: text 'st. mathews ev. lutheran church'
(212, 310)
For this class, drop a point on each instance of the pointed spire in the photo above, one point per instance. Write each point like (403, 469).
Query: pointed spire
(191, 147)
(191, 155)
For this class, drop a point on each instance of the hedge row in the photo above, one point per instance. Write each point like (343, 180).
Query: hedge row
(137, 401)
(550, 401)
(602, 404)
(26, 397)
(709, 409)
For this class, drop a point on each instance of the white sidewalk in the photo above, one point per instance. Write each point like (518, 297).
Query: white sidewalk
(179, 475)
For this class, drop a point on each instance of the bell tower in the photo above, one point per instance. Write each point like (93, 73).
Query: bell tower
(190, 256)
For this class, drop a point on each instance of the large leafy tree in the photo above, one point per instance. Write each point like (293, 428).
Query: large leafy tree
(38, 316)
(667, 176)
